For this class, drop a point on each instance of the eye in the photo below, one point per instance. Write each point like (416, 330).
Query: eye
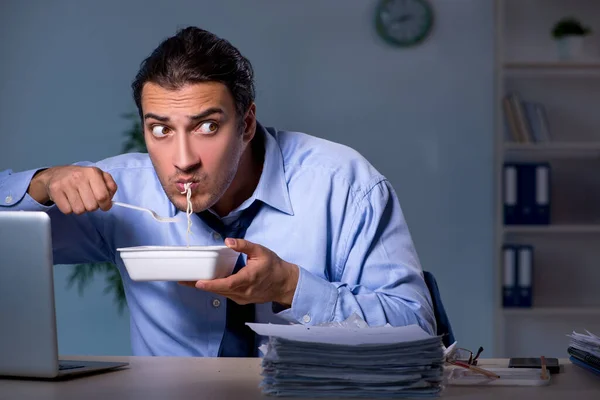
(207, 128)
(160, 131)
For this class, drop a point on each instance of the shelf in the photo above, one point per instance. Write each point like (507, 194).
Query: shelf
(558, 149)
(552, 68)
(552, 229)
(579, 146)
(554, 65)
(551, 311)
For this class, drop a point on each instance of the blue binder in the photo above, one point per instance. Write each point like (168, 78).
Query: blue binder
(517, 272)
(509, 274)
(584, 365)
(510, 194)
(526, 193)
(524, 281)
(541, 210)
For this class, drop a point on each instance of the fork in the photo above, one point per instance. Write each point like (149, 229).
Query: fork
(154, 215)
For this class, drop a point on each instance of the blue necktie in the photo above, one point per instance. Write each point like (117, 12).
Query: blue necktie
(238, 339)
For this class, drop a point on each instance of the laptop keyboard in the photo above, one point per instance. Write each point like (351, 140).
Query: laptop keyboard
(62, 366)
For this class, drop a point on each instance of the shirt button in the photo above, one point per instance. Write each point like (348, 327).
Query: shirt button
(8, 199)
(216, 236)
(216, 303)
(306, 319)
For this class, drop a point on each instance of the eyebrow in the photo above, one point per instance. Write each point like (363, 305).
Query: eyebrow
(202, 115)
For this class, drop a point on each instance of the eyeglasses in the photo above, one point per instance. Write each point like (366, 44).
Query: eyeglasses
(466, 356)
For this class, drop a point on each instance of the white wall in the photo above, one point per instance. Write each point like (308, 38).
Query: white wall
(423, 116)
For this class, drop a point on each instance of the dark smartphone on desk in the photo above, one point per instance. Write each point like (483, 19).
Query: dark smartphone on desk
(523, 362)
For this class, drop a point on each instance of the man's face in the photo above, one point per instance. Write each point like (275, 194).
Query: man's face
(192, 135)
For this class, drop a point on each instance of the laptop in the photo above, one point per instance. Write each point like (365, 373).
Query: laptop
(28, 339)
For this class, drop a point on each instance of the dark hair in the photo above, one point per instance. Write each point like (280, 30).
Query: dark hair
(194, 55)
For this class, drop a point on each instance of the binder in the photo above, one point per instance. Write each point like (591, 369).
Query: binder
(525, 276)
(510, 194)
(585, 357)
(541, 212)
(538, 121)
(526, 193)
(584, 365)
(509, 285)
(517, 272)
(527, 190)
(532, 118)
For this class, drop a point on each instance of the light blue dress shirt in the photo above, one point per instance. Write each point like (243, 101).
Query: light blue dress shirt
(327, 210)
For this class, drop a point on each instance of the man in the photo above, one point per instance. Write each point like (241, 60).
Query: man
(326, 238)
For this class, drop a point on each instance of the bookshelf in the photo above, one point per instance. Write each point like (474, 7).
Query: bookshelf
(566, 252)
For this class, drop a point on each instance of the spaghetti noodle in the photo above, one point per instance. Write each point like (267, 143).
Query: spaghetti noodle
(188, 192)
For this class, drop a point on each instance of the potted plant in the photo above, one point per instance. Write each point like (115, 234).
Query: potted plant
(569, 34)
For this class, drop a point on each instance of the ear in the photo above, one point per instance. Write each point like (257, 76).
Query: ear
(249, 123)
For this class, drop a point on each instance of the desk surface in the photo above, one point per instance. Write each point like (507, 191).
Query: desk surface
(219, 378)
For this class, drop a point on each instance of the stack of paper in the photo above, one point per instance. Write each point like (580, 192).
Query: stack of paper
(585, 351)
(320, 361)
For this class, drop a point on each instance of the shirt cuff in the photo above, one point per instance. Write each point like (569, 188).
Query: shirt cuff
(13, 192)
(314, 300)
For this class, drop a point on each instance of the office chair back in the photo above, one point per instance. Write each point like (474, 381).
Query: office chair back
(441, 318)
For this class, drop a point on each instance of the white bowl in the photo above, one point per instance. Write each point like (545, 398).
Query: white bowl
(178, 263)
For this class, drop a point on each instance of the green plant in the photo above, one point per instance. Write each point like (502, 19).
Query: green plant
(135, 134)
(569, 26)
(83, 274)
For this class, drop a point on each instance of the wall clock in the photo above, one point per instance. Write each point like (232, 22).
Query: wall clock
(404, 23)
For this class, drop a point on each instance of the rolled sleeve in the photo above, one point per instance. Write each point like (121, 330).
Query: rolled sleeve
(13, 191)
(314, 300)
(377, 273)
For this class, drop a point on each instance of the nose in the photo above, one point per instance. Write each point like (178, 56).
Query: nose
(184, 156)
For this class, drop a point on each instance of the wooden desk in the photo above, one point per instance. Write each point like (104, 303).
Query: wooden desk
(214, 378)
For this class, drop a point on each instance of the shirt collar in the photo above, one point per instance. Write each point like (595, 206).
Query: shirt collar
(272, 188)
